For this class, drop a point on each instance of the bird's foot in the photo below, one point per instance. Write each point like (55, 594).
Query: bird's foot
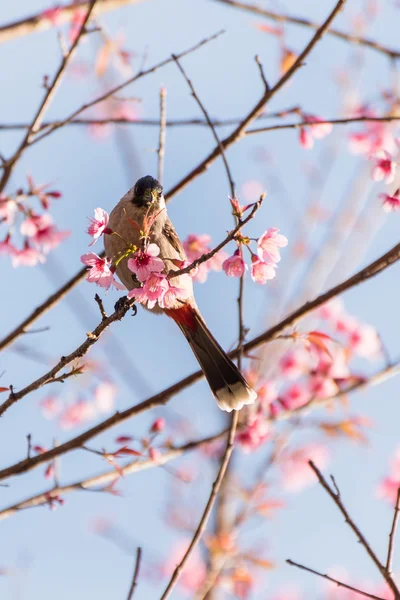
(123, 302)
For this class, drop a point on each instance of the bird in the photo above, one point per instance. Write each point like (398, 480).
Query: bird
(144, 203)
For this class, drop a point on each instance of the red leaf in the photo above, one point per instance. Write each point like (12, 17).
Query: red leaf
(4, 389)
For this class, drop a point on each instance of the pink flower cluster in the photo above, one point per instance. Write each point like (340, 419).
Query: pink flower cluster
(39, 234)
(157, 289)
(80, 411)
(315, 131)
(101, 271)
(388, 488)
(197, 245)
(377, 141)
(263, 264)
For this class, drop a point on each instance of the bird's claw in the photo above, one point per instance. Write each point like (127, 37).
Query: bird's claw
(123, 303)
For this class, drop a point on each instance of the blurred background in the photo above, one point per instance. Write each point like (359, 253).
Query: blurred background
(323, 199)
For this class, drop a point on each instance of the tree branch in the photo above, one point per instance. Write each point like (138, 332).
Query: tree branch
(240, 130)
(336, 581)
(135, 574)
(282, 18)
(109, 476)
(336, 497)
(392, 534)
(37, 22)
(207, 511)
(50, 376)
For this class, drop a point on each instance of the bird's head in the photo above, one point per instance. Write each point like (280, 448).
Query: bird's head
(148, 193)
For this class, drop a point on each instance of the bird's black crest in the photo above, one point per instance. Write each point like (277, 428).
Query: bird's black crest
(144, 184)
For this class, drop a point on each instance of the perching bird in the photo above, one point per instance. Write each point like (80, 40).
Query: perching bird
(228, 386)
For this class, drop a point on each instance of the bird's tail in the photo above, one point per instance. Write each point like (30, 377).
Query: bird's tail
(227, 384)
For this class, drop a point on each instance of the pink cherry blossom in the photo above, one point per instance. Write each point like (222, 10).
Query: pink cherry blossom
(296, 472)
(322, 387)
(365, 341)
(390, 202)
(8, 209)
(384, 167)
(172, 293)
(155, 287)
(104, 396)
(145, 262)
(49, 238)
(331, 309)
(294, 363)
(306, 139)
(52, 14)
(99, 225)
(318, 128)
(258, 430)
(100, 272)
(261, 272)
(27, 257)
(194, 573)
(197, 245)
(42, 232)
(51, 406)
(269, 244)
(6, 247)
(77, 413)
(295, 396)
(234, 266)
(387, 489)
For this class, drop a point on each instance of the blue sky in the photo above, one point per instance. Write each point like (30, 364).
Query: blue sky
(58, 551)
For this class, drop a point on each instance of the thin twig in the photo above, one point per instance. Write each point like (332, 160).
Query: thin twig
(163, 133)
(151, 122)
(100, 304)
(121, 86)
(107, 477)
(392, 534)
(282, 18)
(45, 104)
(49, 303)
(240, 130)
(210, 123)
(336, 497)
(258, 61)
(29, 440)
(135, 573)
(329, 578)
(207, 511)
(38, 22)
(92, 338)
(231, 235)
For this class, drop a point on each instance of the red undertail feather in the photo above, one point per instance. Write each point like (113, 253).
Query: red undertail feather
(228, 385)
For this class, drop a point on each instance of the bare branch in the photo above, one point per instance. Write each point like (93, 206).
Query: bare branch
(50, 376)
(44, 105)
(109, 476)
(281, 18)
(150, 122)
(336, 497)
(240, 130)
(121, 86)
(392, 534)
(208, 119)
(37, 22)
(209, 506)
(336, 581)
(135, 574)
